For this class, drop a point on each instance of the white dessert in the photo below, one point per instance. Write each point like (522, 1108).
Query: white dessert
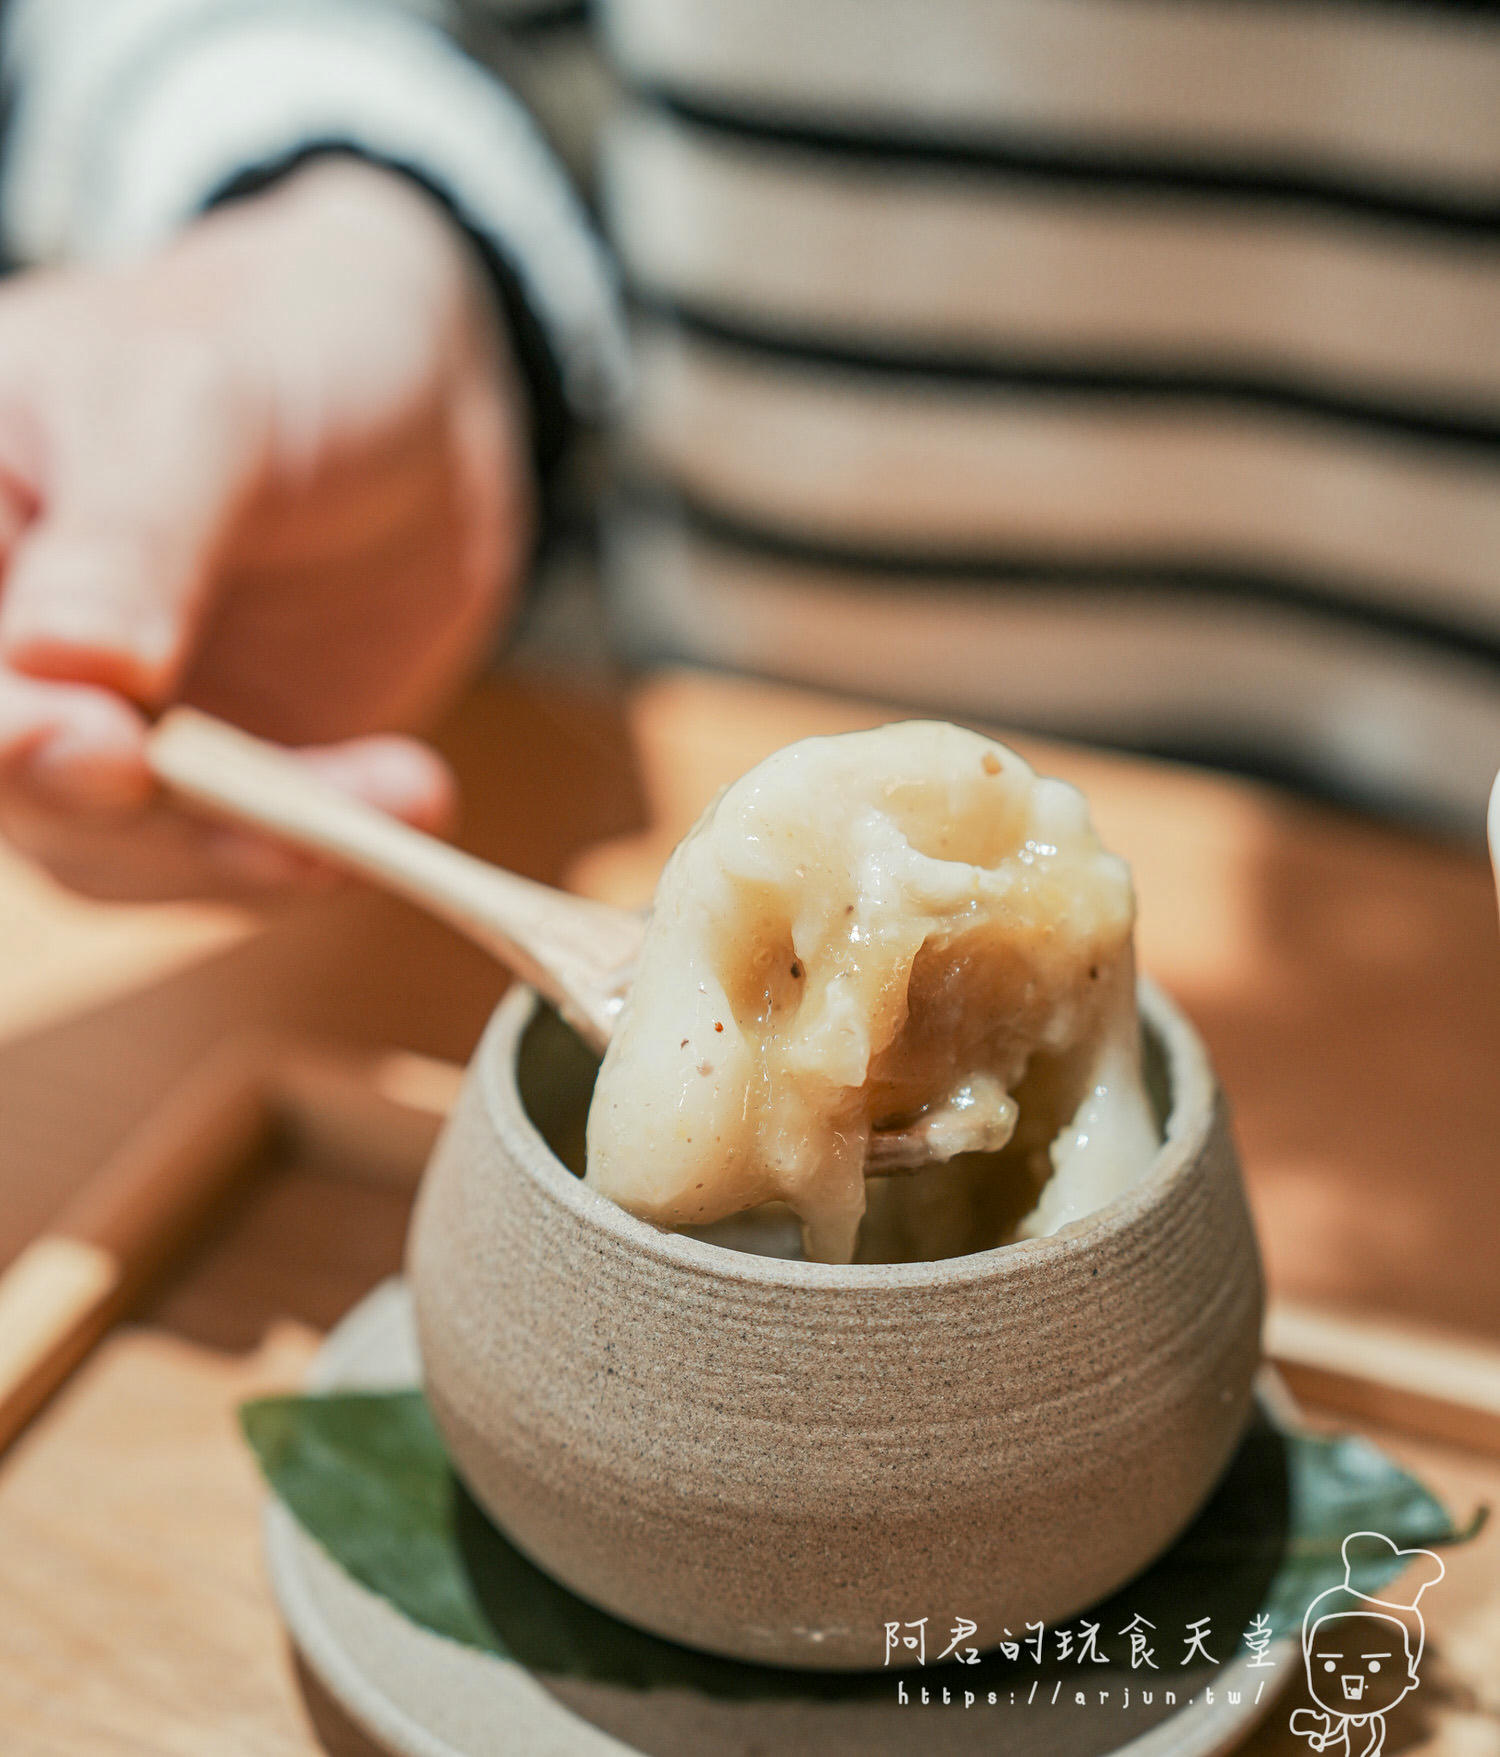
(904, 927)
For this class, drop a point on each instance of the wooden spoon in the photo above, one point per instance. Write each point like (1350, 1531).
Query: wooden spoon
(577, 953)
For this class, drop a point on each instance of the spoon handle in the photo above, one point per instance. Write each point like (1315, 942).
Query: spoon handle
(570, 949)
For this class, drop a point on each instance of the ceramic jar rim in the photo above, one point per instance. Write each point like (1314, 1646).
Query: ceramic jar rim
(1192, 1101)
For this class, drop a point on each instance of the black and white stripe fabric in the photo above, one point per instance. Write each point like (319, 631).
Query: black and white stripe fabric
(1128, 368)
(1122, 367)
(128, 117)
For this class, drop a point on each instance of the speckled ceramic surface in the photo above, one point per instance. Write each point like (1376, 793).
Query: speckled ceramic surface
(419, 1695)
(771, 1460)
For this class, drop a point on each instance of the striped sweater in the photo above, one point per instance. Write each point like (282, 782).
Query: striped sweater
(1125, 368)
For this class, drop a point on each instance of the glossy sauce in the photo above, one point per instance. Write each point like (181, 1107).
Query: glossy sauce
(896, 927)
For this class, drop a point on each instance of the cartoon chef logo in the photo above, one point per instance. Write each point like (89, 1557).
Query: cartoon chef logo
(1362, 1649)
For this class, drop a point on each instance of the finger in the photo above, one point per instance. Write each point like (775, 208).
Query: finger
(245, 861)
(171, 851)
(400, 776)
(144, 478)
(71, 746)
(159, 854)
(395, 775)
(76, 795)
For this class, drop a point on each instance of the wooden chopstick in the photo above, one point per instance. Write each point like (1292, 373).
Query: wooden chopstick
(66, 1287)
(378, 1112)
(1424, 1382)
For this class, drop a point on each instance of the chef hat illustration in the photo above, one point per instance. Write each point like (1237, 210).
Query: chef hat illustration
(1417, 1570)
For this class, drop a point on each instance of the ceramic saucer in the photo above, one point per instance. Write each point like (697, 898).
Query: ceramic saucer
(417, 1694)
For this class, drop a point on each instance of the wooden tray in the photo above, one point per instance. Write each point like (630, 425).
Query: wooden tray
(1345, 976)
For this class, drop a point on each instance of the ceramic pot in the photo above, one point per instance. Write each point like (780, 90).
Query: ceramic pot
(773, 1460)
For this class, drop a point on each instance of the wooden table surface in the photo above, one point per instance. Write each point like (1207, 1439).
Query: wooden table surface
(1346, 977)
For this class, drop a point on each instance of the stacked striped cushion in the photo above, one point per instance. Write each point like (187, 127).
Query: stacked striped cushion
(1128, 368)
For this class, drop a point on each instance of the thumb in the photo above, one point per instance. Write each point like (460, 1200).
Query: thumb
(398, 775)
(109, 583)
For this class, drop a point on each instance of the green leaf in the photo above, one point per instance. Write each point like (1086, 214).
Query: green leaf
(366, 1476)
(1341, 1485)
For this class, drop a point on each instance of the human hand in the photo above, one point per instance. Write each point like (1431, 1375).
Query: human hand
(280, 471)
